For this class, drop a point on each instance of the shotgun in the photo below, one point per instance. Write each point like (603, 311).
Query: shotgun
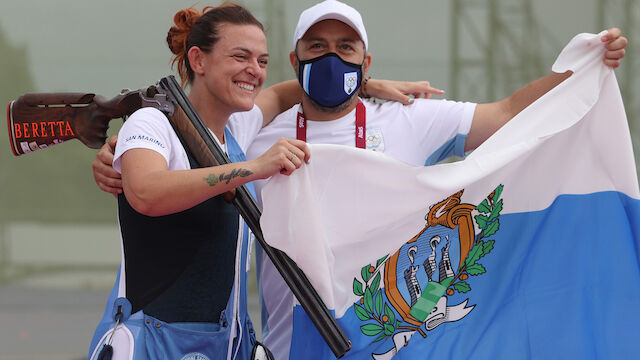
(37, 121)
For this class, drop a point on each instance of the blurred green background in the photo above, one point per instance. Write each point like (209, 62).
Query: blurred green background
(59, 246)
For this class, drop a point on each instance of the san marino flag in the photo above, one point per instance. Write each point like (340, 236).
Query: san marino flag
(527, 249)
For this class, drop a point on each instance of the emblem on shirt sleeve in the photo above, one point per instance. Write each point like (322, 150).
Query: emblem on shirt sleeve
(427, 282)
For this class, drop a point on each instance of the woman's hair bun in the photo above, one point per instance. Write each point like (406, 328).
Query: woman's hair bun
(179, 32)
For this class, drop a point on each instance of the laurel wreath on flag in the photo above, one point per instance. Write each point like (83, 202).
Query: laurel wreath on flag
(372, 305)
(488, 222)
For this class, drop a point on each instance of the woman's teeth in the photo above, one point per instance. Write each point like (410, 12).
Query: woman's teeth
(245, 86)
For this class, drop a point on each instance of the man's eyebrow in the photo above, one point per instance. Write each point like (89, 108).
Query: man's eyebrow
(315, 39)
(351, 40)
(248, 51)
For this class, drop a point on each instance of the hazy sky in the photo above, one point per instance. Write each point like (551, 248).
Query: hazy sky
(103, 46)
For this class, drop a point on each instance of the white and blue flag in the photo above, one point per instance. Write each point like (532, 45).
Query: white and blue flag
(527, 249)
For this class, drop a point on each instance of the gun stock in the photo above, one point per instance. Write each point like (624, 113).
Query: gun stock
(39, 120)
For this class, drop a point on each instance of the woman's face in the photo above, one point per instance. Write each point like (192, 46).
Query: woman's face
(236, 68)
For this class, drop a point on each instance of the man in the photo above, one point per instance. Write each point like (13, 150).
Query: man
(330, 60)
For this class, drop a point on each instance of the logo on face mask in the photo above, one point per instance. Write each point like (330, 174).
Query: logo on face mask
(350, 82)
(329, 80)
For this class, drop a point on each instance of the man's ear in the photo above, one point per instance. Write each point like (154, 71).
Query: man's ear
(197, 60)
(365, 65)
(293, 59)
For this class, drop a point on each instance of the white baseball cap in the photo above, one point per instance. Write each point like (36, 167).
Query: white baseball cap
(330, 9)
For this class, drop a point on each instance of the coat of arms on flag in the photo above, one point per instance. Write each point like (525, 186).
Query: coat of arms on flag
(431, 267)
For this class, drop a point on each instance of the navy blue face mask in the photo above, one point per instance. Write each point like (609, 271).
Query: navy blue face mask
(329, 80)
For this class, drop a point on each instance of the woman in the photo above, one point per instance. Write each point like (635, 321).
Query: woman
(181, 291)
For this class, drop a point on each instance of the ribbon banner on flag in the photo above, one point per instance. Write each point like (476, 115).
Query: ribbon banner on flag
(529, 248)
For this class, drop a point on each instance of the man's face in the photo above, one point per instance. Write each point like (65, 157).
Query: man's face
(331, 36)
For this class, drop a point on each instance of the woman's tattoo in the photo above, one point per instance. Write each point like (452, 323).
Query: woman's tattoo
(213, 179)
